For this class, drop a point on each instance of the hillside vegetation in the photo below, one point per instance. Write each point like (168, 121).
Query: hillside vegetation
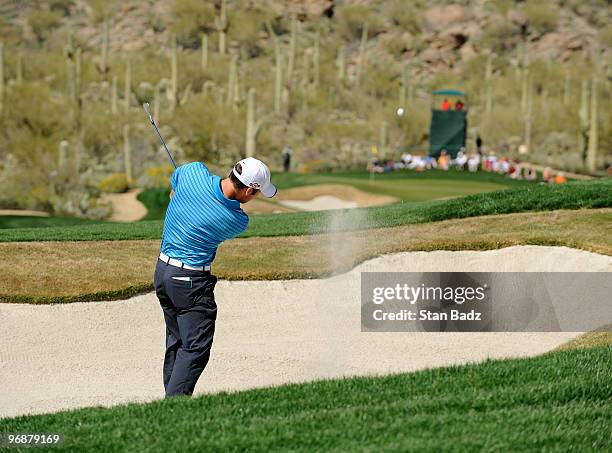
(576, 195)
(226, 79)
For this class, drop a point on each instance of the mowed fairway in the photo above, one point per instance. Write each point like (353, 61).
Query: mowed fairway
(418, 189)
(47, 272)
(543, 403)
(294, 331)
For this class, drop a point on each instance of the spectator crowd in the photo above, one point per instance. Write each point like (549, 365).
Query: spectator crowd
(474, 162)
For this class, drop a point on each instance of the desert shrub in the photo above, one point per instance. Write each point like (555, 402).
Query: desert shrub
(404, 15)
(40, 64)
(43, 22)
(605, 36)
(191, 18)
(352, 18)
(207, 130)
(500, 35)
(102, 136)
(245, 25)
(542, 16)
(396, 46)
(61, 6)
(10, 32)
(115, 183)
(592, 10)
(100, 9)
(559, 150)
(156, 177)
(499, 6)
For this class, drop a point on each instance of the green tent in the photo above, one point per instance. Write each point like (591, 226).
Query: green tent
(448, 127)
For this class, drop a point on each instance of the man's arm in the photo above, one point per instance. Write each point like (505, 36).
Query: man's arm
(171, 192)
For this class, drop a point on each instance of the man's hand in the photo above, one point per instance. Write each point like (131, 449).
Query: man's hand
(171, 192)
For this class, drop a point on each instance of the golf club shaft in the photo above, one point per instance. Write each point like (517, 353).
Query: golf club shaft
(161, 139)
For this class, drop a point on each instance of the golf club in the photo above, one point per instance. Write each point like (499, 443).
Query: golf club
(150, 115)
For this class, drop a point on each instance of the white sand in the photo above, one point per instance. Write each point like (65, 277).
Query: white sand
(126, 207)
(24, 212)
(319, 203)
(268, 333)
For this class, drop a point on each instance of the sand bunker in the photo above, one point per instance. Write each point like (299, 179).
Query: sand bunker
(259, 206)
(126, 207)
(268, 333)
(329, 196)
(320, 203)
(24, 212)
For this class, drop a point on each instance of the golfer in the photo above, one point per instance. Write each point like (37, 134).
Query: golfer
(204, 211)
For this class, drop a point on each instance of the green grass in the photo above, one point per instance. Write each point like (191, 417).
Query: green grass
(288, 180)
(576, 195)
(156, 201)
(405, 185)
(558, 401)
(16, 221)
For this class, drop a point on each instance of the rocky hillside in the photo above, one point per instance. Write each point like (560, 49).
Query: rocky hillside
(323, 76)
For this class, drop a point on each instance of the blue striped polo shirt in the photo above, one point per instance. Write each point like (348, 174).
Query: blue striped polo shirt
(199, 216)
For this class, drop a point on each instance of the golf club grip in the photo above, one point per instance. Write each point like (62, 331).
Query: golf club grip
(147, 109)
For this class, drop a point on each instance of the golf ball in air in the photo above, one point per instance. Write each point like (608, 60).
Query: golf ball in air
(400, 111)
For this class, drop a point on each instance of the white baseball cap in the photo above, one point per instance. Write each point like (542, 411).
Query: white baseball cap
(255, 174)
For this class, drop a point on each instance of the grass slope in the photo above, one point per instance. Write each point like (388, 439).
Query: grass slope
(288, 180)
(406, 185)
(17, 221)
(584, 194)
(54, 272)
(556, 401)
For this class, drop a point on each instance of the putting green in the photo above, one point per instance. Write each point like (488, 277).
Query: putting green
(423, 189)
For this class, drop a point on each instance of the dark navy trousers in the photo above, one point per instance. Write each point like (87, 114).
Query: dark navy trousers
(188, 303)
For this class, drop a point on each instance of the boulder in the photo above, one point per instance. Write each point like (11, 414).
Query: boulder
(467, 52)
(516, 17)
(441, 17)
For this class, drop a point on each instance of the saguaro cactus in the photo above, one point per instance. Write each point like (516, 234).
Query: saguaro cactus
(316, 59)
(528, 114)
(583, 115)
(305, 71)
(593, 131)
(204, 51)
(525, 77)
(156, 98)
(19, 69)
(232, 79)
(384, 131)
(104, 62)
(1, 78)
(252, 125)
(62, 159)
(278, 82)
(544, 99)
(127, 153)
(174, 75)
(127, 95)
(567, 86)
(114, 101)
(488, 86)
(291, 57)
(78, 123)
(361, 63)
(340, 63)
(221, 24)
(77, 76)
(403, 87)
